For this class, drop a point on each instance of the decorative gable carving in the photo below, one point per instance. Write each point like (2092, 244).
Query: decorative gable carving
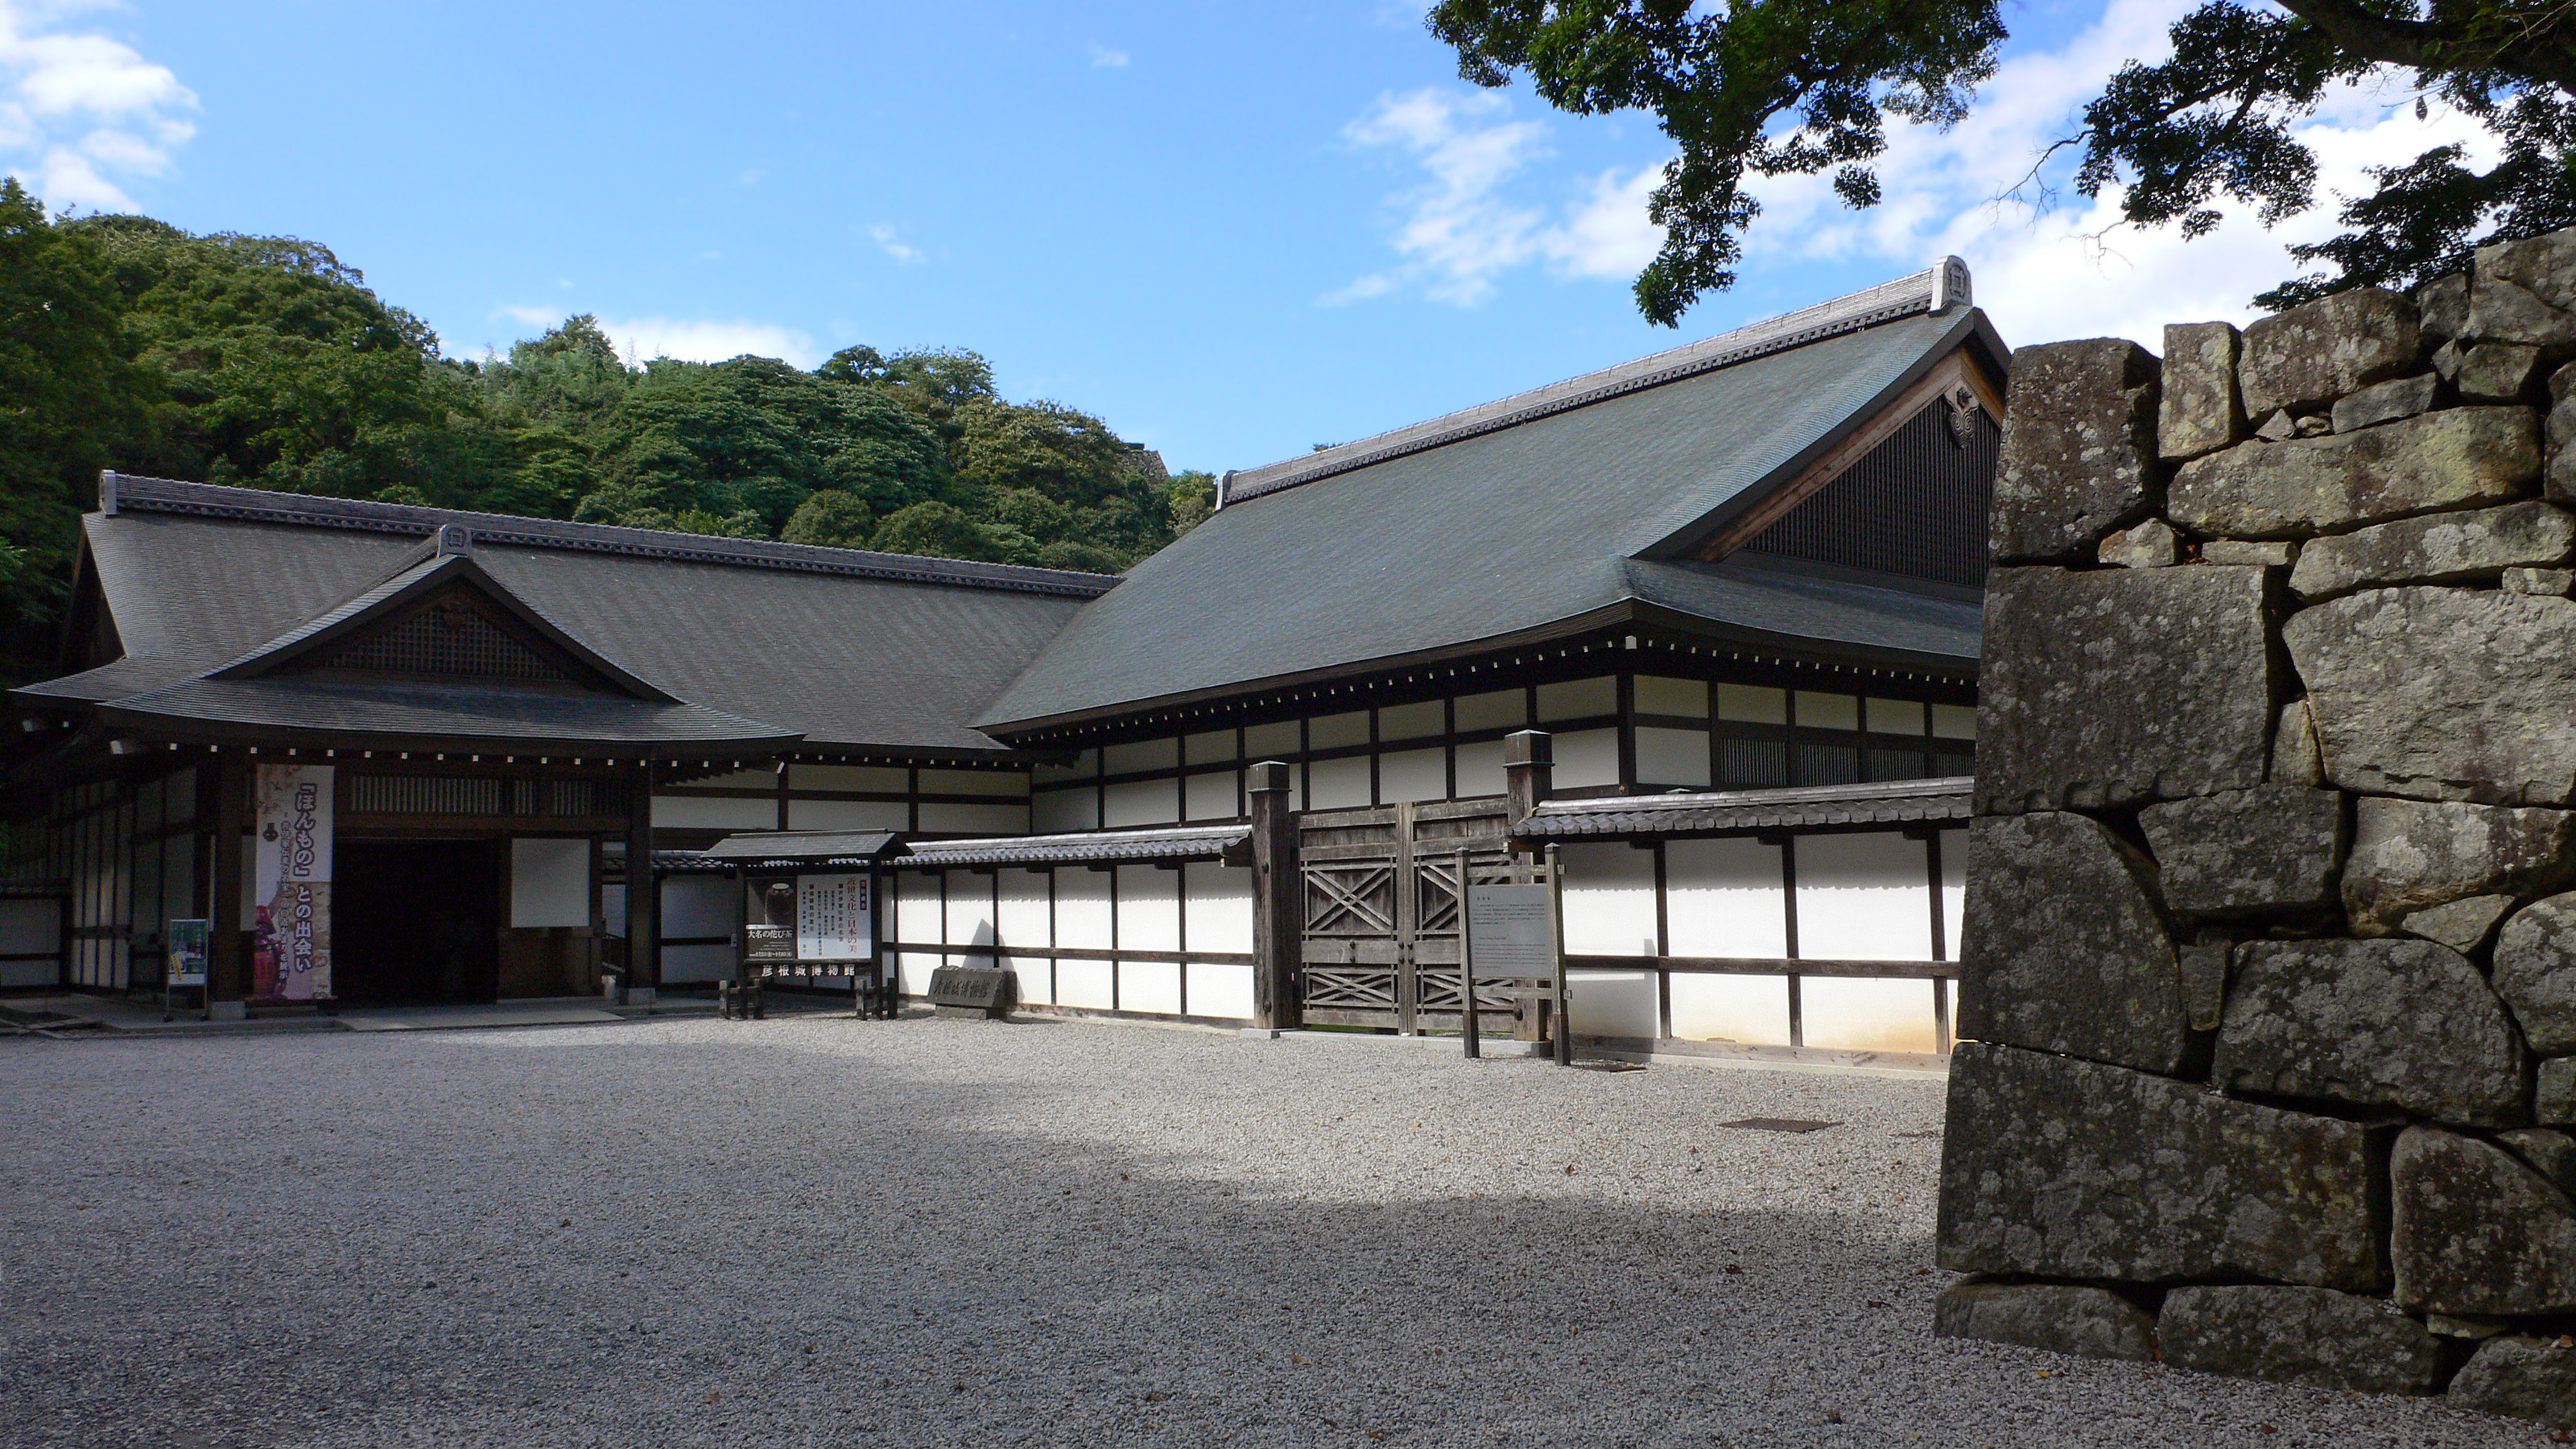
(452, 635)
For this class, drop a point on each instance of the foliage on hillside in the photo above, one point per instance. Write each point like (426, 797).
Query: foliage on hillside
(266, 362)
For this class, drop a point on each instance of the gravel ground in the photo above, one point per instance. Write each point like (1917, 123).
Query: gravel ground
(823, 1231)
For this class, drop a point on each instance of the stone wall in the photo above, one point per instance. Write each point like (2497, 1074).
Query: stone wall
(2269, 959)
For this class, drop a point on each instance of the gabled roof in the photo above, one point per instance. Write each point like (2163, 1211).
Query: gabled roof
(845, 648)
(1550, 513)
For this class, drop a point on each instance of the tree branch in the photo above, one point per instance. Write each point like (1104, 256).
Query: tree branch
(2536, 58)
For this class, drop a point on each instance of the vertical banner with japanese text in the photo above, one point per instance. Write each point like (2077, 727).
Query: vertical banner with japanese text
(291, 946)
(834, 921)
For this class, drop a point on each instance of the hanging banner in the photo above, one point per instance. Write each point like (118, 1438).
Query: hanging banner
(291, 947)
(834, 919)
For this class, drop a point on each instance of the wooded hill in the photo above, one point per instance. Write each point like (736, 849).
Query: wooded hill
(266, 362)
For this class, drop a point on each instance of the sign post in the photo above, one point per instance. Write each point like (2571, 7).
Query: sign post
(1556, 955)
(183, 961)
(1467, 1023)
(1513, 933)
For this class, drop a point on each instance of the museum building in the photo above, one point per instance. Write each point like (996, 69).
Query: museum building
(1706, 621)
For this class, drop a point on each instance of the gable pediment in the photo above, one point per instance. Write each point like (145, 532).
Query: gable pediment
(454, 635)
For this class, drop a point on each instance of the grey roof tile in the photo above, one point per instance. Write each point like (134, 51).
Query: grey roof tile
(1897, 802)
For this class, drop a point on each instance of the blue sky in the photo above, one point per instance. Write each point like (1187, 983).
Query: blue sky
(1231, 230)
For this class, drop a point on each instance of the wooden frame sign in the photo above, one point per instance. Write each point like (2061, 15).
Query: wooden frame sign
(1511, 932)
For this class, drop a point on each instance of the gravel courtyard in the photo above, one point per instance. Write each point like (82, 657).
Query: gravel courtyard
(820, 1231)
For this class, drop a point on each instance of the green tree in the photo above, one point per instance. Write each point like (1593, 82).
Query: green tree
(834, 517)
(1781, 87)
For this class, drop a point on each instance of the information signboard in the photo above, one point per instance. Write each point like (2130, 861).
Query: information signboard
(1511, 932)
(835, 918)
(187, 953)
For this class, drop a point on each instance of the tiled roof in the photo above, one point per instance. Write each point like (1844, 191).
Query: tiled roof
(1898, 802)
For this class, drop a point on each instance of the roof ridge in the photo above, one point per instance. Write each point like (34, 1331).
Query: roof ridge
(1944, 284)
(127, 492)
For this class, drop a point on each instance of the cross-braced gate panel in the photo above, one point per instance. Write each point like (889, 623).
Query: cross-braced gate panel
(1381, 910)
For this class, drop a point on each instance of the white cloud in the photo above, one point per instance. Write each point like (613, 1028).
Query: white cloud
(1458, 233)
(81, 115)
(530, 316)
(1104, 57)
(645, 338)
(889, 239)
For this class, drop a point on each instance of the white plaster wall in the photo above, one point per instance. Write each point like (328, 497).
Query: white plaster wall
(969, 917)
(1082, 909)
(1480, 770)
(848, 815)
(1220, 989)
(695, 905)
(1211, 796)
(1413, 775)
(549, 883)
(1954, 887)
(33, 925)
(1338, 784)
(682, 965)
(1150, 986)
(1863, 898)
(952, 818)
(1082, 983)
(1585, 758)
(1752, 1009)
(1725, 898)
(1672, 757)
(1008, 783)
(919, 919)
(1867, 1013)
(1141, 802)
(692, 812)
(1056, 811)
(1613, 1003)
(1609, 900)
(1149, 912)
(1219, 906)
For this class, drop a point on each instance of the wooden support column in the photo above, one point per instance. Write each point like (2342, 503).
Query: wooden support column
(1529, 770)
(1278, 905)
(227, 933)
(643, 892)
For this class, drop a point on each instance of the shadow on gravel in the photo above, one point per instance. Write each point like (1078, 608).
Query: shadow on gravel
(594, 1239)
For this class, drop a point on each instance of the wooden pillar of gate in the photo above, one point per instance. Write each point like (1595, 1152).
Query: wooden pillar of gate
(1278, 899)
(643, 892)
(1408, 926)
(227, 932)
(1529, 773)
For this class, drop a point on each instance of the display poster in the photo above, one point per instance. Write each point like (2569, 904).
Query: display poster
(835, 920)
(1511, 932)
(187, 948)
(291, 940)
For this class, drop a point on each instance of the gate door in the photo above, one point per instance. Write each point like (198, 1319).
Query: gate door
(1381, 920)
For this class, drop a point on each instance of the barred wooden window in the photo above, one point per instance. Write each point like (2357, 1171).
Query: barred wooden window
(423, 795)
(447, 638)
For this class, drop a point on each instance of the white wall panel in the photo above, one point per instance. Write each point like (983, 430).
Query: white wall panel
(1338, 784)
(1480, 770)
(993, 819)
(1752, 1009)
(693, 905)
(1150, 986)
(1337, 731)
(1209, 748)
(1866, 1013)
(1609, 900)
(1009, 784)
(1034, 973)
(549, 883)
(1220, 989)
(1500, 709)
(1578, 699)
(714, 812)
(1413, 775)
(1082, 983)
(1276, 740)
(1082, 908)
(881, 779)
(1725, 898)
(1149, 911)
(1954, 721)
(1219, 903)
(1671, 757)
(1412, 721)
(1659, 695)
(970, 913)
(848, 815)
(1613, 1003)
(1863, 898)
(1954, 888)
(1141, 802)
(1585, 758)
(1057, 811)
(1211, 796)
(919, 919)
(1023, 916)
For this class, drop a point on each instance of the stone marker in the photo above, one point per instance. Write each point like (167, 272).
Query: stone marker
(2061, 947)
(2521, 1376)
(2078, 1170)
(2457, 458)
(2410, 855)
(2079, 458)
(2151, 545)
(2386, 402)
(2535, 973)
(2474, 1231)
(2397, 1023)
(2312, 1336)
(2312, 354)
(2241, 852)
(2461, 925)
(2113, 686)
(2201, 412)
(2441, 694)
(2058, 1317)
(2437, 548)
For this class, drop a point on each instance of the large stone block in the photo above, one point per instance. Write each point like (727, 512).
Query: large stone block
(2535, 973)
(2437, 548)
(2240, 852)
(2476, 1231)
(2076, 1170)
(2311, 355)
(2061, 947)
(2058, 1317)
(2386, 402)
(2521, 1377)
(2523, 292)
(2457, 458)
(2201, 411)
(2115, 686)
(2393, 1023)
(2312, 1336)
(2461, 925)
(2553, 1093)
(2411, 855)
(2079, 456)
(2441, 694)
(2443, 307)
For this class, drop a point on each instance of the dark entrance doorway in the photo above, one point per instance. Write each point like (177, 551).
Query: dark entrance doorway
(417, 920)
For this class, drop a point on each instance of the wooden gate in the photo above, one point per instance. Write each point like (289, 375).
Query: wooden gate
(1380, 940)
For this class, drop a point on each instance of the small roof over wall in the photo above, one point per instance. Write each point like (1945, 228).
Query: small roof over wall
(786, 849)
(1228, 843)
(1718, 812)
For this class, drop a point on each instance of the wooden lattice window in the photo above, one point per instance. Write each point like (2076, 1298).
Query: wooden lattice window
(449, 638)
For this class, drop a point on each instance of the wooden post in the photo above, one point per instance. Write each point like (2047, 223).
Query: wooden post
(1556, 925)
(1468, 1024)
(643, 906)
(1278, 905)
(1529, 767)
(227, 934)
